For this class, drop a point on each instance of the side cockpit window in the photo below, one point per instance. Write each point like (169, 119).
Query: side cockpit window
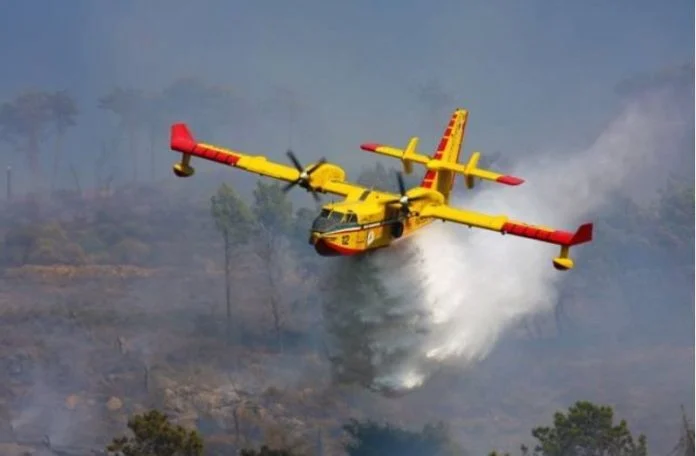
(352, 218)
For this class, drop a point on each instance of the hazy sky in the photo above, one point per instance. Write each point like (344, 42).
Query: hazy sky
(535, 75)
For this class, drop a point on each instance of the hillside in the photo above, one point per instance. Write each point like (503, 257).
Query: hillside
(114, 305)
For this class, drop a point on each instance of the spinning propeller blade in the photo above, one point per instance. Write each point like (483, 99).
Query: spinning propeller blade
(404, 200)
(303, 179)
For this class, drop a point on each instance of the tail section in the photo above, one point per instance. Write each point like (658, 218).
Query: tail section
(448, 151)
(444, 165)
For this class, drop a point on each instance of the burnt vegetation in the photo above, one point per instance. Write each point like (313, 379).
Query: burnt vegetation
(197, 321)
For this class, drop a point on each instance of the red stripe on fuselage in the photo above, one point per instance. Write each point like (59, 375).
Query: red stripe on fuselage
(327, 248)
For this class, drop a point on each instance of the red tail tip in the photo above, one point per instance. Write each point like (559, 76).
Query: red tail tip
(583, 234)
(510, 180)
(370, 147)
(181, 138)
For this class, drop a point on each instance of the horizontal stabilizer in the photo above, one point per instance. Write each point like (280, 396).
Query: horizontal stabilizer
(470, 170)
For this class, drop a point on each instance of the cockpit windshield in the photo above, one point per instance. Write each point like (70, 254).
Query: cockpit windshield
(328, 220)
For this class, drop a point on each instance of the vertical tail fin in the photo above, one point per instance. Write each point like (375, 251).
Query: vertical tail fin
(447, 150)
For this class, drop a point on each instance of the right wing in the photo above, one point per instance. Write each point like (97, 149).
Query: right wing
(182, 141)
(504, 225)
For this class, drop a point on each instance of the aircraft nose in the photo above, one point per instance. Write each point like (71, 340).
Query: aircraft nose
(314, 237)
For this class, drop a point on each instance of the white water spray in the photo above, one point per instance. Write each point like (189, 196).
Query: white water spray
(473, 285)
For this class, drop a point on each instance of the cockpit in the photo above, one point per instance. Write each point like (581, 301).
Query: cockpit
(329, 220)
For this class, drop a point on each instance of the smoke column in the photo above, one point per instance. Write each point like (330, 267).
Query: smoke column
(472, 285)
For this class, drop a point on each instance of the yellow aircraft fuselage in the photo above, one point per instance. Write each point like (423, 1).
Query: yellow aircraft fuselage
(353, 227)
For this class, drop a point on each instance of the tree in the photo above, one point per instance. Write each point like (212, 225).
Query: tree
(686, 439)
(370, 438)
(155, 122)
(154, 435)
(24, 123)
(587, 429)
(18, 244)
(63, 111)
(46, 244)
(128, 105)
(272, 208)
(265, 451)
(301, 223)
(234, 221)
(273, 213)
(299, 237)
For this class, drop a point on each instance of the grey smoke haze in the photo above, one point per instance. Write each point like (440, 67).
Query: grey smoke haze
(536, 76)
(532, 76)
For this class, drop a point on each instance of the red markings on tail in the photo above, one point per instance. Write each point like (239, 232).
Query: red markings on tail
(431, 176)
(181, 138)
(583, 234)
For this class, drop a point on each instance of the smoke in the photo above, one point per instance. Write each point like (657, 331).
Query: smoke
(463, 289)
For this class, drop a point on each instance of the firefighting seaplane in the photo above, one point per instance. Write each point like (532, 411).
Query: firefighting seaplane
(367, 219)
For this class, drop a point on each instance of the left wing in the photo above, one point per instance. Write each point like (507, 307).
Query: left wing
(329, 180)
(504, 225)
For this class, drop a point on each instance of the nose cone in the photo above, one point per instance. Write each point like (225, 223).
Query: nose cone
(326, 248)
(314, 237)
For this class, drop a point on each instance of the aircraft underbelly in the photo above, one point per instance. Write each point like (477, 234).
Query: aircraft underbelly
(358, 241)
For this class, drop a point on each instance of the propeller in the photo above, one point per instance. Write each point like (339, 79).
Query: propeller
(404, 199)
(303, 180)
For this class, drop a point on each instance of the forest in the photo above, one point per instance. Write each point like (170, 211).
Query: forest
(203, 321)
